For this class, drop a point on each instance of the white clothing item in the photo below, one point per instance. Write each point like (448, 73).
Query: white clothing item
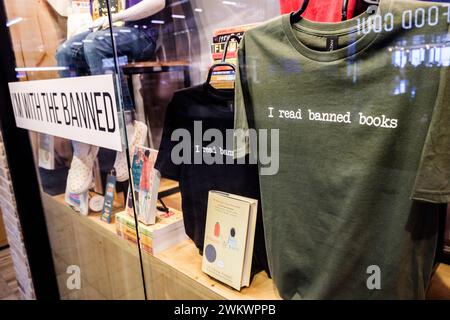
(80, 176)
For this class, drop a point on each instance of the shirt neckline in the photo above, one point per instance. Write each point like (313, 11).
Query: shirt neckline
(225, 94)
(329, 29)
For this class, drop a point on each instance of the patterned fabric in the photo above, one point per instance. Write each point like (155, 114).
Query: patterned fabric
(80, 175)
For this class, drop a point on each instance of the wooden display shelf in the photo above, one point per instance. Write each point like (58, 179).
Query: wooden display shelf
(174, 273)
(151, 65)
(185, 259)
(440, 283)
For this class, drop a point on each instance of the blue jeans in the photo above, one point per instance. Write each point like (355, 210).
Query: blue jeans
(84, 54)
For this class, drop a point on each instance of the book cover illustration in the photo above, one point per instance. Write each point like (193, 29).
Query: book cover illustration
(100, 9)
(217, 50)
(145, 180)
(229, 237)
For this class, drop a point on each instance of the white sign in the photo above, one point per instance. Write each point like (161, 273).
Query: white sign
(82, 109)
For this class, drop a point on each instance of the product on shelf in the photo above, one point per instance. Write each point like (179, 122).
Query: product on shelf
(99, 8)
(46, 151)
(145, 182)
(78, 201)
(108, 200)
(167, 232)
(229, 238)
(137, 133)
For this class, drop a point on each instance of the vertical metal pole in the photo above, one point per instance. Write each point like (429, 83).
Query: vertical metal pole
(127, 149)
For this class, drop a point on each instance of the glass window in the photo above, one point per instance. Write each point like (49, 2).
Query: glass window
(270, 149)
(58, 39)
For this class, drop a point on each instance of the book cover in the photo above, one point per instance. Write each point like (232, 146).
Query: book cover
(219, 48)
(229, 238)
(145, 180)
(224, 37)
(235, 29)
(99, 7)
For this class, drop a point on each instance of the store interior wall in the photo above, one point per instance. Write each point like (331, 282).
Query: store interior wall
(36, 41)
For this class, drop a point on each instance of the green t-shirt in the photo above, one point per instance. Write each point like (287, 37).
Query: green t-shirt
(363, 121)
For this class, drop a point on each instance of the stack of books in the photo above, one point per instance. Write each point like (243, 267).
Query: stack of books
(166, 233)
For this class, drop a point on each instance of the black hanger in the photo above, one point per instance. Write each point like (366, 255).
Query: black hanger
(344, 10)
(296, 16)
(223, 63)
(345, 7)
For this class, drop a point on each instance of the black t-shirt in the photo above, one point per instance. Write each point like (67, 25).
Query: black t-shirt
(212, 109)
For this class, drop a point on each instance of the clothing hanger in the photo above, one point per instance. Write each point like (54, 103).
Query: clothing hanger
(345, 7)
(296, 16)
(344, 10)
(223, 62)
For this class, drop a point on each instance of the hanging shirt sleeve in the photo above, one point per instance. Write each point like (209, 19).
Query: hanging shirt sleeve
(433, 178)
(242, 103)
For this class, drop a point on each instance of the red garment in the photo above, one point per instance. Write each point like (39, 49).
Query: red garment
(289, 5)
(324, 10)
